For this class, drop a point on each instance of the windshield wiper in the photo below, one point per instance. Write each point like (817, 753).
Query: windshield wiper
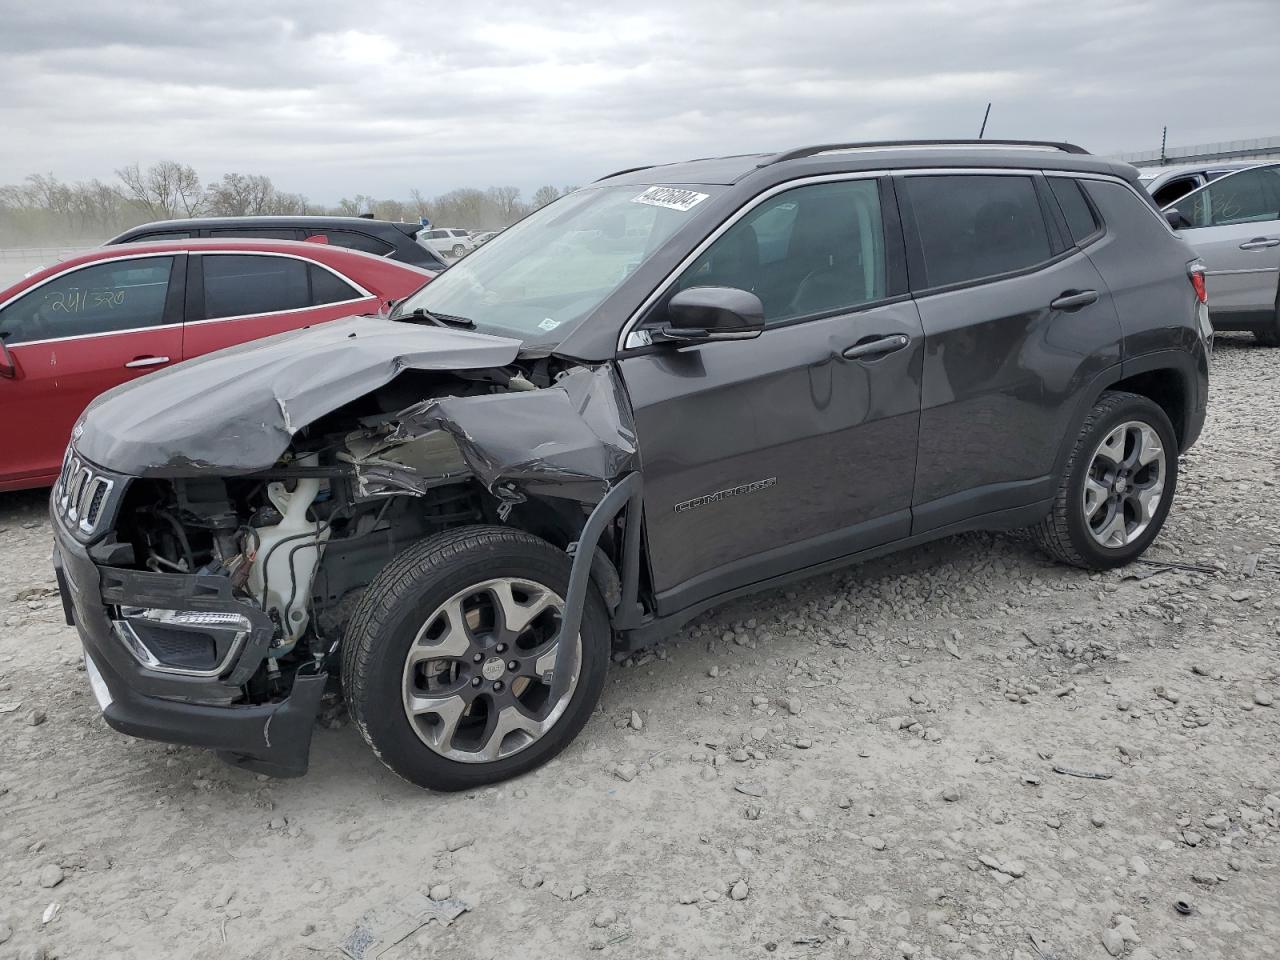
(440, 319)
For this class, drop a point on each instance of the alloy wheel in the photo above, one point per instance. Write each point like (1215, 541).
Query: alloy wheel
(477, 678)
(1125, 484)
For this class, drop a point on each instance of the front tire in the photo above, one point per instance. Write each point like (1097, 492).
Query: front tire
(1118, 485)
(445, 657)
(459, 250)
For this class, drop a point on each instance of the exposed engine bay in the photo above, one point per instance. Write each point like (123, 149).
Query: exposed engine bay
(424, 452)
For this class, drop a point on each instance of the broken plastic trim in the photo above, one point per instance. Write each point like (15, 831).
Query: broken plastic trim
(627, 492)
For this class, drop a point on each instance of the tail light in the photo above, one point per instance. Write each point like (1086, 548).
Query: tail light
(1195, 273)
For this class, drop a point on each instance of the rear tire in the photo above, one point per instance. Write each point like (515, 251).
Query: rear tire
(459, 250)
(1270, 337)
(1117, 487)
(429, 681)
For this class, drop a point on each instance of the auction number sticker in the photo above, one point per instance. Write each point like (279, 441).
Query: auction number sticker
(673, 198)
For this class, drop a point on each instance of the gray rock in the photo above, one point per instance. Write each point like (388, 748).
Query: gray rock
(1262, 698)
(739, 890)
(458, 842)
(36, 717)
(6, 931)
(874, 842)
(750, 789)
(636, 722)
(51, 875)
(440, 891)
(1113, 942)
(605, 918)
(625, 771)
(950, 794)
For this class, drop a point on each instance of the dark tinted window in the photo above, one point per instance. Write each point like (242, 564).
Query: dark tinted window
(254, 234)
(161, 235)
(327, 288)
(238, 285)
(1175, 189)
(358, 241)
(811, 250)
(977, 226)
(1252, 196)
(1080, 219)
(97, 299)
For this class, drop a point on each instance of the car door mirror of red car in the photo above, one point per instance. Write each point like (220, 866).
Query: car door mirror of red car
(8, 366)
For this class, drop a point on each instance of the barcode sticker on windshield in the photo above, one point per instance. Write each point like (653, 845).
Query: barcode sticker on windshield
(672, 198)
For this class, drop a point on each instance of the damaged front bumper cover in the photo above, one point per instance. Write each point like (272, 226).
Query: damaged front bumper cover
(156, 704)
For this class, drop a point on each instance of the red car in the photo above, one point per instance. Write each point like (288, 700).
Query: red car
(73, 330)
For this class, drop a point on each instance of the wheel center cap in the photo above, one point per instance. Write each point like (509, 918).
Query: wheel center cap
(493, 669)
(1121, 485)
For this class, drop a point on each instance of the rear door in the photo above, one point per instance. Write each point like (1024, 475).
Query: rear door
(1017, 321)
(75, 336)
(1235, 227)
(236, 297)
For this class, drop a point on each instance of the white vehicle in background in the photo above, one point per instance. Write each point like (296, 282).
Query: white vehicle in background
(1171, 183)
(447, 241)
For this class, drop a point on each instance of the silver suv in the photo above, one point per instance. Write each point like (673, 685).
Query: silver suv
(449, 242)
(1234, 224)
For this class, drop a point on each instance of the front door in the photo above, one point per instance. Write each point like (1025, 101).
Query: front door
(74, 337)
(765, 456)
(1235, 227)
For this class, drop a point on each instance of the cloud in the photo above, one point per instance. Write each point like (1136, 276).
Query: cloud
(330, 98)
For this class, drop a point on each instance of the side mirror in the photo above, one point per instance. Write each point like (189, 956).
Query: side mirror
(1175, 218)
(700, 314)
(8, 366)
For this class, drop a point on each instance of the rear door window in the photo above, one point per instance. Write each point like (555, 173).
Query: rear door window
(237, 285)
(1079, 215)
(254, 233)
(101, 298)
(810, 251)
(358, 241)
(975, 226)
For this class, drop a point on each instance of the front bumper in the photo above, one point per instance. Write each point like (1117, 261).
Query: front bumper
(272, 738)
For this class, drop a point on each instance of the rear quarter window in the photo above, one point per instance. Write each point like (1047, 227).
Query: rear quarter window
(358, 241)
(1081, 220)
(243, 285)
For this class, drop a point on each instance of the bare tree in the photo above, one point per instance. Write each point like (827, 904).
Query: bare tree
(544, 195)
(506, 201)
(166, 189)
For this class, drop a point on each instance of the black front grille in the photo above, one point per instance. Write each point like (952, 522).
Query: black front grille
(186, 649)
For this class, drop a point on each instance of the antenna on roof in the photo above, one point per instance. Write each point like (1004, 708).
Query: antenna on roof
(984, 120)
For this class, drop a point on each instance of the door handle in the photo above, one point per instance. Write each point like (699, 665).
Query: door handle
(877, 347)
(1260, 243)
(146, 362)
(1074, 299)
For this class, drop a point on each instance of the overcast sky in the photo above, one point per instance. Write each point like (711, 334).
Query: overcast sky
(337, 97)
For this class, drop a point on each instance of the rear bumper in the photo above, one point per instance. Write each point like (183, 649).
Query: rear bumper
(272, 738)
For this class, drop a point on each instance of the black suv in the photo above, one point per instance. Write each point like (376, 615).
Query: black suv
(385, 238)
(676, 386)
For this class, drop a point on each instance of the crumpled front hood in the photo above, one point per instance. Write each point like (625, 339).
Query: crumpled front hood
(237, 409)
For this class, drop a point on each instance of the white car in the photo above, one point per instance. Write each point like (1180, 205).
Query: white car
(447, 241)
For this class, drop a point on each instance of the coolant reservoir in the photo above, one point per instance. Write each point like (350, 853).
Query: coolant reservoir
(288, 555)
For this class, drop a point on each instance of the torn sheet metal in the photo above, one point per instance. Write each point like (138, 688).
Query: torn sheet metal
(237, 410)
(572, 438)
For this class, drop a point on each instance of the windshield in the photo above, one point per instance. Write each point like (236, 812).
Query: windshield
(537, 279)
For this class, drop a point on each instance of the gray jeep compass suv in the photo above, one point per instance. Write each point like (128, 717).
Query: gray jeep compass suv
(673, 387)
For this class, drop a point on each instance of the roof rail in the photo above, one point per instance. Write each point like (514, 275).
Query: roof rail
(799, 152)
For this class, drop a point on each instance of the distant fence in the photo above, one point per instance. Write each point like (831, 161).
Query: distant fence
(1260, 149)
(41, 253)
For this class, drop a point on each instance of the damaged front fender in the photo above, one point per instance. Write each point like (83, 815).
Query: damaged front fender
(572, 439)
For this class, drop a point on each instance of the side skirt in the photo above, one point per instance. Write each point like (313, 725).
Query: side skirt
(656, 628)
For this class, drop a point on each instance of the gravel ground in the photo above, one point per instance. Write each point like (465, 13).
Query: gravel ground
(869, 765)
